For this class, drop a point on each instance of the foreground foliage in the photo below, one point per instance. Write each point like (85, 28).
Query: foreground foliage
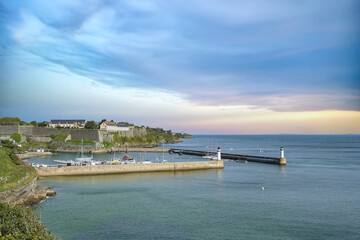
(13, 173)
(19, 222)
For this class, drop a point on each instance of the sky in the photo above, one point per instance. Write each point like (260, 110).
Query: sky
(202, 67)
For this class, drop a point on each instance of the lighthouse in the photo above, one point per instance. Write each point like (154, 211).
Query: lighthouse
(218, 154)
(282, 156)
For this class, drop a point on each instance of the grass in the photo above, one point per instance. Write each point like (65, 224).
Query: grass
(19, 222)
(59, 137)
(13, 176)
(16, 137)
(79, 141)
(107, 144)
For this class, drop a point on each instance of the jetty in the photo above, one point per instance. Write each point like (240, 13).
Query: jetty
(127, 168)
(231, 156)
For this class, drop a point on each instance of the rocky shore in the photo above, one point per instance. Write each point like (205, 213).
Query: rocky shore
(27, 195)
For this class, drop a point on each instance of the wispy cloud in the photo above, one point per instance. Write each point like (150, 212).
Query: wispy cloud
(284, 56)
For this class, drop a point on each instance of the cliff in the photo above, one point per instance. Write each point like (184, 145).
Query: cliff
(26, 195)
(18, 183)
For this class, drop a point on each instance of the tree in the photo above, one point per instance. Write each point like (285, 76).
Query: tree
(34, 123)
(104, 120)
(42, 124)
(91, 125)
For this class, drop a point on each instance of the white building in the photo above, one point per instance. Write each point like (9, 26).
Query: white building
(67, 123)
(113, 127)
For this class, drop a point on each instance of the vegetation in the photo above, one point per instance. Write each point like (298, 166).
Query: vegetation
(33, 146)
(9, 120)
(91, 125)
(183, 135)
(104, 120)
(79, 141)
(16, 137)
(13, 172)
(42, 124)
(19, 222)
(59, 137)
(108, 144)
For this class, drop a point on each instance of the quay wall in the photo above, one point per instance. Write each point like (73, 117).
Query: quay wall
(127, 168)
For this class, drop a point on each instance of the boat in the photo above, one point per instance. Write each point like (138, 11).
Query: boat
(146, 161)
(82, 157)
(127, 159)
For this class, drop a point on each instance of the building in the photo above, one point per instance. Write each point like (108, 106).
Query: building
(67, 123)
(114, 127)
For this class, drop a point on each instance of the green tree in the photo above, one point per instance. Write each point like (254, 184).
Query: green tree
(34, 123)
(91, 125)
(42, 124)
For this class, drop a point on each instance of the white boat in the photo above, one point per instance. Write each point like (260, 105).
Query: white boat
(146, 161)
(82, 157)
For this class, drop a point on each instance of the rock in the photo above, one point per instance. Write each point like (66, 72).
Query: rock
(27, 195)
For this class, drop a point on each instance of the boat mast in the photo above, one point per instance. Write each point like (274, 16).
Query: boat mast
(82, 147)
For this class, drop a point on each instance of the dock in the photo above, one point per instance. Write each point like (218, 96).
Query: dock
(232, 156)
(127, 168)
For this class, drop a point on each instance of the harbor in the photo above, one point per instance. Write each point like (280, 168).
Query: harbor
(232, 156)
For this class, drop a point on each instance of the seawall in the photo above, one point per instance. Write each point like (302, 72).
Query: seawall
(127, 168)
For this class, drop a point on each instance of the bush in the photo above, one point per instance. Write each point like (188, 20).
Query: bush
(16, 137)
(19, 222)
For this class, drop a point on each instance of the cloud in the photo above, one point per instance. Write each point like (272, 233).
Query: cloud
(265, 54)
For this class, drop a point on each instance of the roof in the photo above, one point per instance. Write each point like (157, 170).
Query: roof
(115, 124)
(67, 121)
(110, 123)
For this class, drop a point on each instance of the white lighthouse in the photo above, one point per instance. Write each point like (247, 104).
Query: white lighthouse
(282, 156)
(218, 154)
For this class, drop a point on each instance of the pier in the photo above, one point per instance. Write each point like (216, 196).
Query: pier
(232, 156)
(127, 168)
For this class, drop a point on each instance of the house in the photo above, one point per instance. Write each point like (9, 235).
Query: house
(67, 123)
(114, 127)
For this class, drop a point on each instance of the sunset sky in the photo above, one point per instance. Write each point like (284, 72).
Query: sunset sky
(214, 67)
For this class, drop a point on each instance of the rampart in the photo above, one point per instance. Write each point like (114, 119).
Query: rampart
(86, 134)
(8, 129)
(39, 131)
(77, 134)
(127, 168)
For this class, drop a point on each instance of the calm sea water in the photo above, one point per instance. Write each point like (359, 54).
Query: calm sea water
(316, 196)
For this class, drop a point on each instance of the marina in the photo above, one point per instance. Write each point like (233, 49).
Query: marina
(253, 200)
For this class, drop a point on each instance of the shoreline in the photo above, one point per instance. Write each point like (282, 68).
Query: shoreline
(133, 149)
(34, 154)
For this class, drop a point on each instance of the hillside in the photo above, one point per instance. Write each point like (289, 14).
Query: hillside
(13, 173)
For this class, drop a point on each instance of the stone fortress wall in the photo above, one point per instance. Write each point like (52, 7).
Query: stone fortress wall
(76, 133)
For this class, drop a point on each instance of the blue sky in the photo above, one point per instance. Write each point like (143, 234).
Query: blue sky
(174, 63)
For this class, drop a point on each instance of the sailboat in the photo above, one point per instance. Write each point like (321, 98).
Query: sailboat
(82, 157)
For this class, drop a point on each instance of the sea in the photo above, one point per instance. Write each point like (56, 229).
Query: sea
(315, 196)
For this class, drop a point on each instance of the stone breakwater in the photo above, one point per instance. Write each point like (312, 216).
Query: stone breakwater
(128, 168)
(26, 195)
